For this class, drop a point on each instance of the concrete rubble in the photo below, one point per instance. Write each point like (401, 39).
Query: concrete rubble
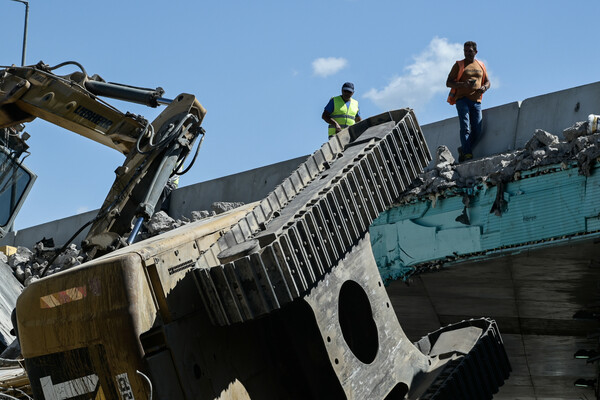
(220, 207)
(26, 264)
(580, 147)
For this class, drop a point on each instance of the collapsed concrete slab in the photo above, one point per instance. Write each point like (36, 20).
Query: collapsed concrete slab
(545, 191)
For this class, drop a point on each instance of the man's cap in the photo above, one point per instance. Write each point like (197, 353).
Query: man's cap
(349, 86)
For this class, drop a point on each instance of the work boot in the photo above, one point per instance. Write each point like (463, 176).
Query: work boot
(468, 156)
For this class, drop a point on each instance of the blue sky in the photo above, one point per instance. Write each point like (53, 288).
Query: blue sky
(264, 70)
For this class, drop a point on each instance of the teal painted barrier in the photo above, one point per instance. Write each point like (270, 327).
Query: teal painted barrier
(548, 203)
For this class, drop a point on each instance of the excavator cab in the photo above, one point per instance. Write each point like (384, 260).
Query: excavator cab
(16, 180)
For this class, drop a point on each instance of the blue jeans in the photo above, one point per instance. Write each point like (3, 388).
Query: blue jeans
(469, 118)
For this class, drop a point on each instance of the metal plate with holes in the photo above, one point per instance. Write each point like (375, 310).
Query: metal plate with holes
(312, 220)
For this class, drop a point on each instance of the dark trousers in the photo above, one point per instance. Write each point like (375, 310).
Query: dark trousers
(469, 118)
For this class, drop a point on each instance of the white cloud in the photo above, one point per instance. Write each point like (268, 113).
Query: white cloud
(422, 80)
(325, 67)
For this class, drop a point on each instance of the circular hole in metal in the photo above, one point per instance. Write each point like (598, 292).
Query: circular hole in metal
(399, 392)
(356, 322)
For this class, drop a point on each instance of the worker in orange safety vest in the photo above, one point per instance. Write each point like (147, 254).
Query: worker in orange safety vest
(468, 81)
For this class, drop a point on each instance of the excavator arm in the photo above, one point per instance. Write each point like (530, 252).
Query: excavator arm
(153, 150)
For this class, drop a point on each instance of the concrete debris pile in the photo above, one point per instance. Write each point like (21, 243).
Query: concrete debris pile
(543, 149)
(220, 207)
(161, 222)
(27, 265)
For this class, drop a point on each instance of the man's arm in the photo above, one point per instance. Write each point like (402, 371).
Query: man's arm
(451, 82)
(327, 118)
(456, 85)
(485, 85)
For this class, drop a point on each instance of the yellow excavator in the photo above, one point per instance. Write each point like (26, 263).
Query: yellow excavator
(279, 299)
(153, 150)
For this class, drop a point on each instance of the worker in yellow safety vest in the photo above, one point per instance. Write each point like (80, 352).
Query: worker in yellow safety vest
(341, 111)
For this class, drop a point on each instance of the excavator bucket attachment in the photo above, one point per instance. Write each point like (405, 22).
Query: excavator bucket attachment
(281, 299)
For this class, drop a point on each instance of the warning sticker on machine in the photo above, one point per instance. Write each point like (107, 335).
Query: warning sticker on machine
(181, 267)
(72, 375)
(70, 389)
(124, 387)
(63, 297)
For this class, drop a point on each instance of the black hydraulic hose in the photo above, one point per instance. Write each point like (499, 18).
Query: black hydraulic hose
(67, 63)
(62, 249)
(170, 134)
(100, 215)
(43, 67)
(185, 171)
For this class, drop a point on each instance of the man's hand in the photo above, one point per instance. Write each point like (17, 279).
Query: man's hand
(338, 128)
(458, 84)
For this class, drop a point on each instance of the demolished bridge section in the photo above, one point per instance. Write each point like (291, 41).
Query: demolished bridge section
(545, 192)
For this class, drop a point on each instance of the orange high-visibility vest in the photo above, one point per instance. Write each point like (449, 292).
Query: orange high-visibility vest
(461, 68)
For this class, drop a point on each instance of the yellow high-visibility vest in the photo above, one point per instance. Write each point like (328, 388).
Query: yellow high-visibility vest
(342, 114)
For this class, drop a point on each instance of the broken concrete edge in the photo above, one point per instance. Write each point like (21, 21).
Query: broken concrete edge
(544, 149)
(543, 153)
(406, 273)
